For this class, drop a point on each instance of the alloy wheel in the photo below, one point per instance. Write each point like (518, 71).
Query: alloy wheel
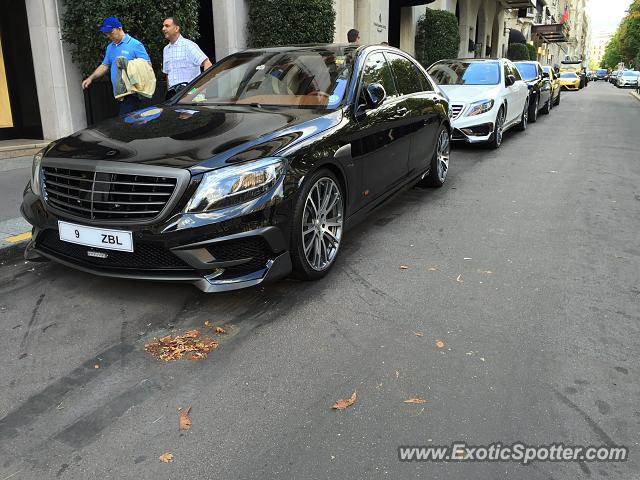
(322, 224)
(443, 152)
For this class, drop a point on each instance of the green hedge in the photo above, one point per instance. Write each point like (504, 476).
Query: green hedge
(518, 51)
(533, 52)
(290, 22)
(141, 19)
(437, 37)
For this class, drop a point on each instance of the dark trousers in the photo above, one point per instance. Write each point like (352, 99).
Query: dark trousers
(129, 104)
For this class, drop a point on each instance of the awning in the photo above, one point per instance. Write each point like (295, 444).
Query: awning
(551, 33)
(518, 3)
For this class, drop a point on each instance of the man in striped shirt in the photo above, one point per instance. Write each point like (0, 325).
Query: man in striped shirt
(181, 58)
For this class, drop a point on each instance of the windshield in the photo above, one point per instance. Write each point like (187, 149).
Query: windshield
(630, 74)
(465, 73)
(568, 75)
(300, 78)
(528, 71)
(602, 72)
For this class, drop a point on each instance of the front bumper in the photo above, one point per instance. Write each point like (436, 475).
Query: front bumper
(570, 86)
(234, 248)
(474, 129)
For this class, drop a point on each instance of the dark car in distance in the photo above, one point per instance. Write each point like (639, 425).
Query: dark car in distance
(540, 98)
(254, 171)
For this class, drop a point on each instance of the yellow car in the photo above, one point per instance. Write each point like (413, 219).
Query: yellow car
(569, 81)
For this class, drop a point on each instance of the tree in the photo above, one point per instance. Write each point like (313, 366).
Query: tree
(612, 55)
(518, 51)
(437, 37)
(290, 22)
(630, 34)
(533, 51)
(142, 19)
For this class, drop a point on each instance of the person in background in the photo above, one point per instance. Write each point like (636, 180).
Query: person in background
(181, 58)
(353, 36)
(121, 45)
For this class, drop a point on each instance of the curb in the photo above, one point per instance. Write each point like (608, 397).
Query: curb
(11, 253)
(635, 95)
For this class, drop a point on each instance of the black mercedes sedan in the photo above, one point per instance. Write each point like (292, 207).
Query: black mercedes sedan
(254, 171)
(540, 88)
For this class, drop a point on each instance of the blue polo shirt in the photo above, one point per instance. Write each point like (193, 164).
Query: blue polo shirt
(128, 48)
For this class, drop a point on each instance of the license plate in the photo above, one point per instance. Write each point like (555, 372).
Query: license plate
(96, 237)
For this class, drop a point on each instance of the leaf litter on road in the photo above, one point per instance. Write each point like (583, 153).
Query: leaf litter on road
(415, 401)
(439, 344)
(345, 402)
(170, 348)
(166, 457)
(184, 422)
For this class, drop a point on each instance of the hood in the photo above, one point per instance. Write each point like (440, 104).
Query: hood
(469, 93)
(194, 136)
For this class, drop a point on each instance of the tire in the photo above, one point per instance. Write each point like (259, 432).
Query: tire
(314, 243)
(496, 137)
(533, 110)
(547, 106)
(558, 100)
(439, 161)
(524, 119)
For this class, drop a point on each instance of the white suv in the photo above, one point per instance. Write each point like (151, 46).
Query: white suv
(487, 97)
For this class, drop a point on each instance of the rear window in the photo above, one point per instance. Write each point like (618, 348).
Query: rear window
(465, 73)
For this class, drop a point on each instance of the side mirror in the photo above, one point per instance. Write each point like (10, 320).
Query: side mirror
(510, 80)
(374, 95)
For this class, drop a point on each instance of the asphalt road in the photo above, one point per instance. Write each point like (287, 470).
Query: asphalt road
(526, 264)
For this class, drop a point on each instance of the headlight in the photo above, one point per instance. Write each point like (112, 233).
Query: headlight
(36, 175)
(477, 108)
(235, 184)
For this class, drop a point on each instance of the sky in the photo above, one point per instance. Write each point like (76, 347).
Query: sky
(605, 15)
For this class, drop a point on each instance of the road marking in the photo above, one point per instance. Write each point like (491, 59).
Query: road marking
(19, 238)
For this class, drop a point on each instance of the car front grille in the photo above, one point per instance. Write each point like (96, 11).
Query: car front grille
(146, 256)
(107, 196)
(456, 110)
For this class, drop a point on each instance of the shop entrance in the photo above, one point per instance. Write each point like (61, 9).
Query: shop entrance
(19, 109)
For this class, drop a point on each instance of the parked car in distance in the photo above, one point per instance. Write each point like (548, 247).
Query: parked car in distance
(255, 170)
(613, 78)
(554, 79)
(488, 96)
(628, 78)
(539, 88)
(569, 81)
(601, 74)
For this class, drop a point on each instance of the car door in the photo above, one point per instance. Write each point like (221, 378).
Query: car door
(419, 105)
(545, 89)
(517, 93)
(378, 145)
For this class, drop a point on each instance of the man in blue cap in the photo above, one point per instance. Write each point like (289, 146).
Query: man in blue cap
(122, 45)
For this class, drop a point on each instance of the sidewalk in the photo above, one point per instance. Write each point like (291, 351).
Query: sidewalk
(14, 175)
(635, 95)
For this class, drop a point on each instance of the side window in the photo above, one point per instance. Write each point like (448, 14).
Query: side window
(406, 74)
(515, 72)
(539, 71)
(507, 72)
(377, 70)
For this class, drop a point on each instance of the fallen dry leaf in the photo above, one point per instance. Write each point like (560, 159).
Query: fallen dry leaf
(166, 457)
(404, 267)
(345, 402)
(459, 279)
(416, 401)
(439, 344)
(185, 421)
(418, 334)
(433, 269)
(220, 330)
(207, 324)
(168, 348)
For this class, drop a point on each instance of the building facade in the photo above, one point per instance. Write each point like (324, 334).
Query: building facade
(598, 45)
(49, 101)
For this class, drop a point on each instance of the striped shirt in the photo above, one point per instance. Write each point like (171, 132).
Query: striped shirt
(181, 61)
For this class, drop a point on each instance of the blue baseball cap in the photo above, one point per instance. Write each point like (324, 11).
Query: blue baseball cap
(109, 24)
